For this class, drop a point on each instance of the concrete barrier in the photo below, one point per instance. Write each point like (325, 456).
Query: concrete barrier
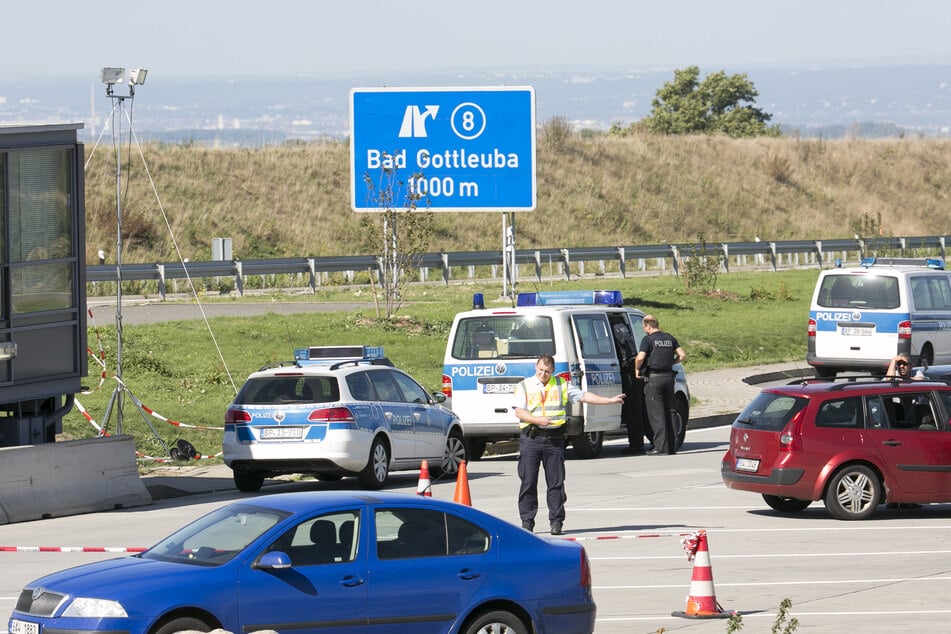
(69, 478)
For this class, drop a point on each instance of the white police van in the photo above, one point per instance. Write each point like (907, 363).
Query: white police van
(337, 411)
(491, 350)
(860, 318)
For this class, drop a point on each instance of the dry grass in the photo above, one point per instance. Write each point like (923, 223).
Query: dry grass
(593, 190)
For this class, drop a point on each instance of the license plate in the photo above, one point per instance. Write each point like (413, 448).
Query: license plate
(498, 388)
(857, 330)
(281, 433)
(23, 627)
(746, 464)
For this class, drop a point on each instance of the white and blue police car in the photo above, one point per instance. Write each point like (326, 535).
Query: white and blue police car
(337, 411)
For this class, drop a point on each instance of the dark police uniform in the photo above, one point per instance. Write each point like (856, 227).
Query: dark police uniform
(543, 447)
(661, 350)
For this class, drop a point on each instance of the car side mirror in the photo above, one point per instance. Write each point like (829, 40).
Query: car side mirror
(274, 560)
(439, 397)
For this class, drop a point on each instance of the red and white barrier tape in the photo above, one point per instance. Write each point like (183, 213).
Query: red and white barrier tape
(92, 421)
(70, 549)
(691, 543)
(101, 359)
(155, 414)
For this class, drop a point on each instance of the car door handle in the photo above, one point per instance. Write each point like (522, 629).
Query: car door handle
(466, 574)
(892, 443)
(351, 581)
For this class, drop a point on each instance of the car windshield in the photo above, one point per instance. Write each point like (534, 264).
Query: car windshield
(770, 411)
(217, 537)
(276, 390)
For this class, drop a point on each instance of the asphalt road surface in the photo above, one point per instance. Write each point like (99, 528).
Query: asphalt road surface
(888, 574)
(140, 311)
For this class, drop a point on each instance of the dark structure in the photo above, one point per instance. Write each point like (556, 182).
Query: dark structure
(42, 280)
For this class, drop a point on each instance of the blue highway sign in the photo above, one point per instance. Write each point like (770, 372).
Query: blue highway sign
(442, 149)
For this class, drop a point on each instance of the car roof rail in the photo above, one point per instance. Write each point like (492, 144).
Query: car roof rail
(277, 364)
(841, 381)
(379, 361)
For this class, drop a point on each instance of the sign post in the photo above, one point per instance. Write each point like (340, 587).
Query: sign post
(445, 149)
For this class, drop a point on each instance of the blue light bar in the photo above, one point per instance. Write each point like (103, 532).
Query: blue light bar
(328, 354)
(931, 263)
(571, 298)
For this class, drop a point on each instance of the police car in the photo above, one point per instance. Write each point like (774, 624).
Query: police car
(491, 350)
(860, 318)
(337, 411)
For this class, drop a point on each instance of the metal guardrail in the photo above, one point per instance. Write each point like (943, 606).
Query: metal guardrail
(796, 253)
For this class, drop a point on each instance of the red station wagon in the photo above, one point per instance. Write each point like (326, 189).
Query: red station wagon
(853, 444)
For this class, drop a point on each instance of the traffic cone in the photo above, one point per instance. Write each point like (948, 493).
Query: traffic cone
(462, 486)
(702, 600)
(425, 487)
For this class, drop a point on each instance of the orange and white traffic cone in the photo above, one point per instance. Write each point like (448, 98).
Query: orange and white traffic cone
(462, 486)
(425, 487)
(702, 600)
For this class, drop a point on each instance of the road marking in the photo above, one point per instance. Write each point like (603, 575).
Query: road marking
(802, 582)
(772, 615)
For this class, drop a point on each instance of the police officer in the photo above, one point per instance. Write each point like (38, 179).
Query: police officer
(540, 405)
(660, 351)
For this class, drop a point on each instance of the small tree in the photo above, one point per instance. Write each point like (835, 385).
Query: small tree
(700, 269)
(402, 245)
(720, 103)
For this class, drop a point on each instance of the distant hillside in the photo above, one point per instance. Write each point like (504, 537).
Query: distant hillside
(593, 190)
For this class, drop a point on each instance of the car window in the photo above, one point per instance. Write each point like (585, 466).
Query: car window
(859, 291)
(931, 292)
(385, 386)
(770, 411)
(596, 337)
(409, 533)
(842, 412)
(494, 336)
(326, 539)
(359, 386)
(412, 391)
(277, 390)
(909, 411)
(946, 400)
(217, 537)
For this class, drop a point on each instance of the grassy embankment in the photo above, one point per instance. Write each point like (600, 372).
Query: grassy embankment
(293, 200)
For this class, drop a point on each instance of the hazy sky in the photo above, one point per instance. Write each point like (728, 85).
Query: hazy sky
(317, 37)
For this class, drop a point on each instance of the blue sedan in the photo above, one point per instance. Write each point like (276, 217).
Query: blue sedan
(326, 561)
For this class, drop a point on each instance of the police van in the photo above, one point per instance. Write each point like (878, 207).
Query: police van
(860, 318)
(491, 350)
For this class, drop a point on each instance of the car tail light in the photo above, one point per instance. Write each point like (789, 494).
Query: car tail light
(447, 385)
(791, 438)
(585, 569)
(811, 328)
(331, 415)
(904, 330)
(565, 376)
(236, 417)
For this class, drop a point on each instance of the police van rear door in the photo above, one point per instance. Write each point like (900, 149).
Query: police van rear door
(598, 368)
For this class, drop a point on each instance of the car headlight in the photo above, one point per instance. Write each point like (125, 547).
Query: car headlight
(98, 608)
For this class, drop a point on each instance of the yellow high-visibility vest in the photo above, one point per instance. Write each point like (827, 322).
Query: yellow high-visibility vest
(550, 401)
